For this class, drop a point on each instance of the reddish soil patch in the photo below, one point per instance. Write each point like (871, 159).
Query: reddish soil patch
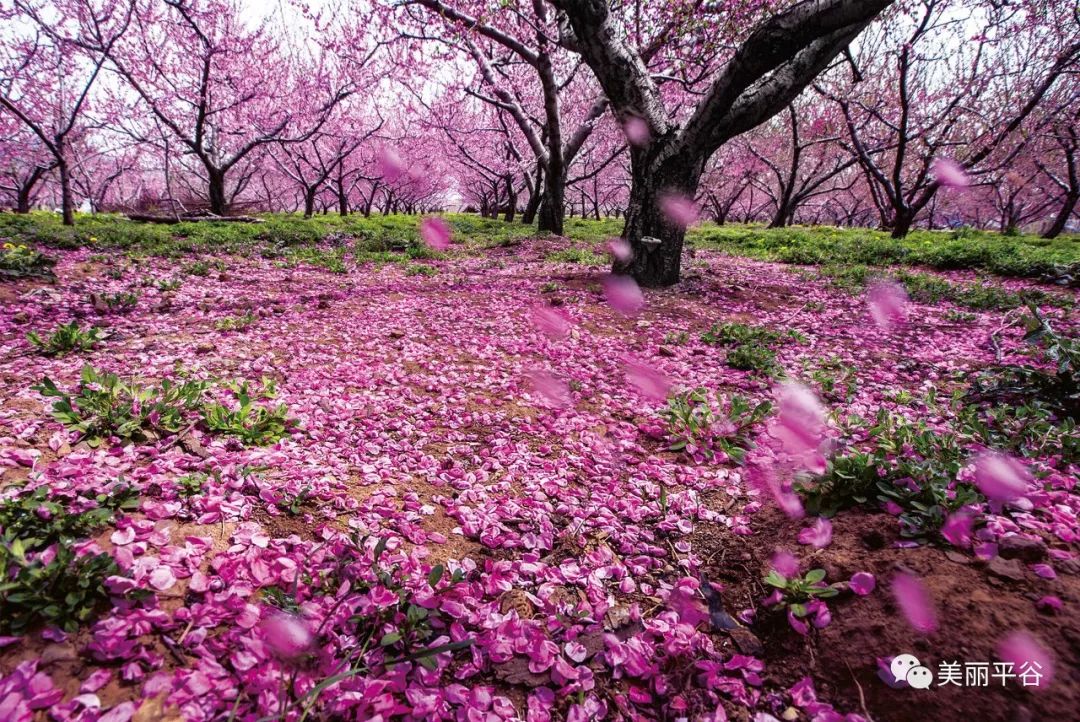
(975, 610)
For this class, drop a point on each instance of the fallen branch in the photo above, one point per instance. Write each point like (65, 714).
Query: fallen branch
(146, 218)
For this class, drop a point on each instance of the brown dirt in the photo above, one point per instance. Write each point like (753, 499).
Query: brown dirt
(974, 610)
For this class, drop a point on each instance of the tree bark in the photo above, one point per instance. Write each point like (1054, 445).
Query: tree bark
(309, 203)
(1062, 219)
(535, 196)
(656, 265)
(219, 205)
(553, 203)
(511, 199)
(67, 202)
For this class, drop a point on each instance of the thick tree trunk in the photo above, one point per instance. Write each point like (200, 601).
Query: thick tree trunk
(781, 219)
(1062, 219)
(67, 201)
(537, 192)
(309, 204)
(511, 200)
(902, 224)
(657, 262)
(553, 205)
(219, 205)
(22, 200)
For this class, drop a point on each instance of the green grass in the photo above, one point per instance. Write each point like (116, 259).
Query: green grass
(1019, 256)
(395, 238)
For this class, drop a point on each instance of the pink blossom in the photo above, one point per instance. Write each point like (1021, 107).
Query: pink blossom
(649, 382)
(553, 391)
(1028, 655)
(950, 174)
(888, 302)
(287, 635)
(1000, 476)
(914, 601)
(679, 209)
(435, 232)
(636, 131)
(623, 294)
(862, 583)
(620, 250)
(819, 535)
(550, 322)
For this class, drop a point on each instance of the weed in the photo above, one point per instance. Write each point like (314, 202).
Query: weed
(236, 323)
(65, 339)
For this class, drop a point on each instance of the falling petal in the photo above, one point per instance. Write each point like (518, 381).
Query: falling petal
(1028, 656)
(636, 131)
(436, 233)
(389, 164)
(888, 303)
(958, 528)
(679, 209)
(800, 420)
(914, 602)
(649, 382)
(862, 583)
(550, 322)
(285, 634)
(623, 294)
(620, 250)
(553, 391)
(950, 174)
(1000, 476)
(785, 563)
(819, 535)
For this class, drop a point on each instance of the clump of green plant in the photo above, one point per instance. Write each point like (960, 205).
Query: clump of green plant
(104, 405)
(236, 323)
(583, 256)
(65, 339)
(1055, 384)
(292, 504)
(695, 426)
(754, 346)
(119, 302)
(198, 268)
(251, 422)
(802, 597)
(168, 284)
(44, 580)
(330, 259)
(834, 379)
(549, 287)
(680, 338)
(903, 463)
(746, 357)
(421, 269)
(17, 260)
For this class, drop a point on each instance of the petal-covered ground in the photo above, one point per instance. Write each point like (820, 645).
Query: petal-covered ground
(477, 514)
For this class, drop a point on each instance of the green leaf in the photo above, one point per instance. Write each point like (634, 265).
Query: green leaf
(814, 575)
(435, 575)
